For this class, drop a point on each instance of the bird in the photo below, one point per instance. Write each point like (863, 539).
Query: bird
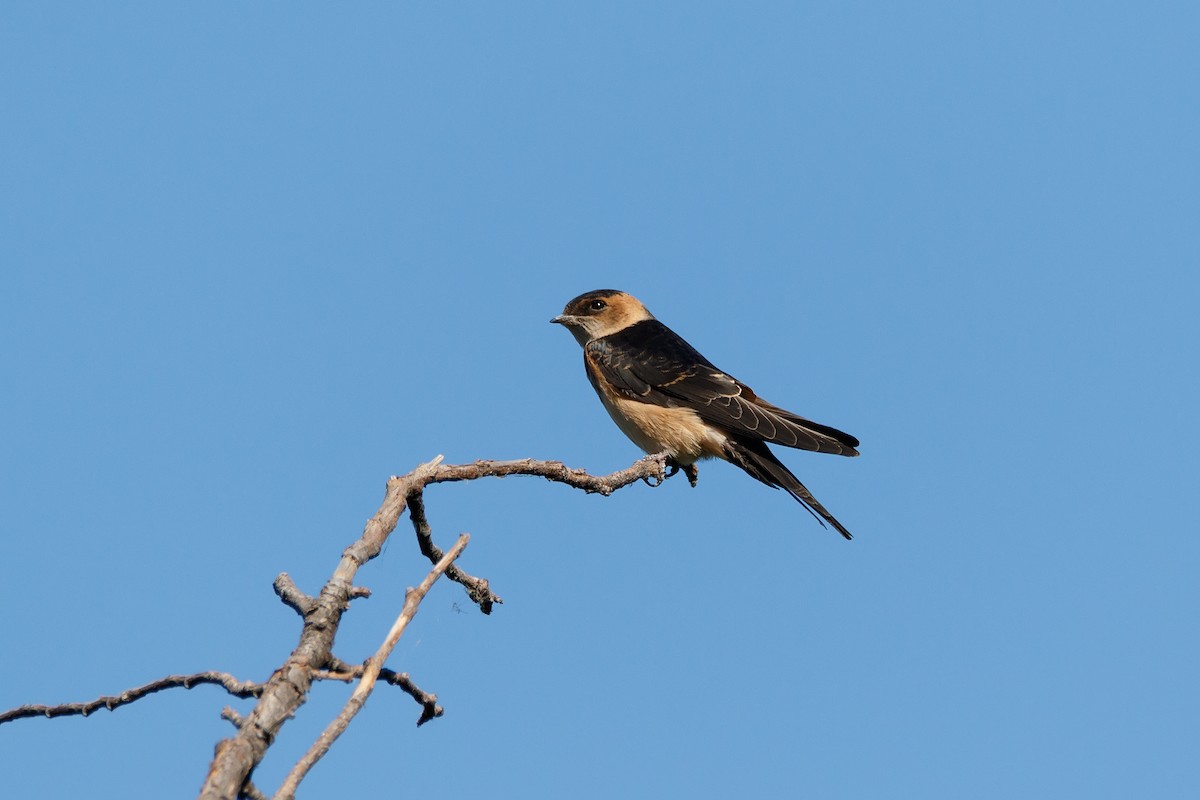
(668, 398)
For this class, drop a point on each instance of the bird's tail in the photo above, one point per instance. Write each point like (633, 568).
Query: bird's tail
(759, 462)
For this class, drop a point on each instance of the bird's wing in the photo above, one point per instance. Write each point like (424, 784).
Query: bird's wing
(649, 362)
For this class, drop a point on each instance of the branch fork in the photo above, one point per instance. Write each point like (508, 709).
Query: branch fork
(312, 659)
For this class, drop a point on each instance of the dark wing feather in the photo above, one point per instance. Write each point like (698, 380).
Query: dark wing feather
(649, 362)
(759, 462)
(645, 357)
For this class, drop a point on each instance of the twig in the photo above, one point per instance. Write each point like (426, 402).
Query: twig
(291, 595)
(228, 682)
(478, 589)
(341, 671)
(412, 601)
(647, 467)
(233, 716)
(650, 468)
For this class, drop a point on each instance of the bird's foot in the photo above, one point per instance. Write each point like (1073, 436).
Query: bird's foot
(693, 474)
(673, 466)
(664, 461)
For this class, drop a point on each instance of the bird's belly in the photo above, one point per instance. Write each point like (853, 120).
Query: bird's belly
(678, 432)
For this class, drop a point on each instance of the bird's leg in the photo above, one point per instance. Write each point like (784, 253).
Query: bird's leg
(693, 474)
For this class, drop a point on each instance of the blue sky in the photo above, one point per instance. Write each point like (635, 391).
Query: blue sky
(257, 258)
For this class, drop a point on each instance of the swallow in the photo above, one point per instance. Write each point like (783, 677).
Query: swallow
(667, 398)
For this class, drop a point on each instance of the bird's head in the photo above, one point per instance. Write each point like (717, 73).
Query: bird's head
(601, 313)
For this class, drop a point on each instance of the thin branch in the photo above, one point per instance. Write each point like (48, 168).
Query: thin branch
(341, 671)
(233, 716)
(228, 682)
(647, 468)
(478, 589)
(650, 469)
(412, 601)
(291, 595)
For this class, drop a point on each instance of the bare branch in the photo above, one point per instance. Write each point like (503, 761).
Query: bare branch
(341, 671)
(291, 595)
(429, 704)
(412, 601)
(233, 716)
(647, 468)
(228, 682)
(650, 469)
(288, 687)
(477, 588)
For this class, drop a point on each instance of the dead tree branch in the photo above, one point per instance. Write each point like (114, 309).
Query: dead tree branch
(477, 588)
(649, 469)
(412, 601)
(227, 682)
(288, 688)
(341, 671)
(312, 659)
(291, 595)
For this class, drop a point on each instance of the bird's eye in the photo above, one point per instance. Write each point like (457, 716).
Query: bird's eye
(597, 305)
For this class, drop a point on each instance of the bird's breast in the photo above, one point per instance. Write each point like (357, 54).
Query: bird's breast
(656, 429)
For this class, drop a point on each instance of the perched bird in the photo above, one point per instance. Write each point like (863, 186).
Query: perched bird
(668, 398)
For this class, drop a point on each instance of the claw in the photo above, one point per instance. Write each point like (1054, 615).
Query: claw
(672, 466)
(657, 480)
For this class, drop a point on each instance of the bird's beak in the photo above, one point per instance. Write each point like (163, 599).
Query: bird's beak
(562, 319)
